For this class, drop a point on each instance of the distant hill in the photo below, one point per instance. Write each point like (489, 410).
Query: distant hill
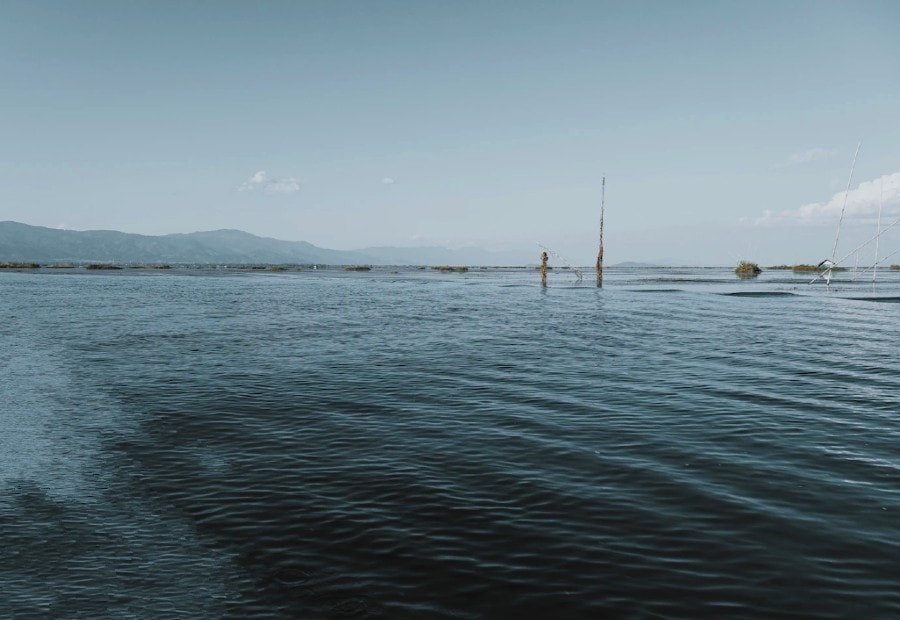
(21, 243)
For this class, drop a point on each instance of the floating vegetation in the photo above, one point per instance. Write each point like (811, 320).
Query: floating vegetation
(746, 269)
(357, 268)
(19, 266)
(102, 266)
(447, 268)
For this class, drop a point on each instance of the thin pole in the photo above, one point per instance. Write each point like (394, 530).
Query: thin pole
(884, 258)
(600, 252)
(880, 205)
(857, 249)
(843, 208)
(544, 258)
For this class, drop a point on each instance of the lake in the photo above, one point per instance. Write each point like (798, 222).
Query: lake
(415, 444)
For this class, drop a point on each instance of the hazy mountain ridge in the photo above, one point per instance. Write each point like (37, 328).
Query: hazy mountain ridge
(23, 242)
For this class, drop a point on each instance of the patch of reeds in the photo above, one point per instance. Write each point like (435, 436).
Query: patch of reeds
(780, 268)
(357, 268)
(895, 267)
(815, 268)
(277, 268)
(19, 266)
(101, 266)
(448, 268)
(746, 268)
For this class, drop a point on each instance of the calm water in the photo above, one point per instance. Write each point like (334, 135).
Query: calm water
(425, 445)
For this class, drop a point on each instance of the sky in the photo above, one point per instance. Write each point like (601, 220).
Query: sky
(725, 130)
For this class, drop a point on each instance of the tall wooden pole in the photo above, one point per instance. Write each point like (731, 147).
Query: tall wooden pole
(600, 252)
(544, 258)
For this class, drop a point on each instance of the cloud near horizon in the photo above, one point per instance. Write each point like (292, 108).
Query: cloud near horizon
(263, 181)
(804, 157)
(862, 205)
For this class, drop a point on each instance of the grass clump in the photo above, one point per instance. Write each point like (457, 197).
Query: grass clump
(746, 268)
(448, 268)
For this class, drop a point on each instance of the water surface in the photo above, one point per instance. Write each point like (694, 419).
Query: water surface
(408, 444)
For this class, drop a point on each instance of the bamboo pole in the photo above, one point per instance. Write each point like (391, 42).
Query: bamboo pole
(600, 252)
(544, 258)
(837, 235)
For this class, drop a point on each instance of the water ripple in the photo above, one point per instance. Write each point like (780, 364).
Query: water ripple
(408, 445)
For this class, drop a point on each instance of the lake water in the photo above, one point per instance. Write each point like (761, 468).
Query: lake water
(679, 444)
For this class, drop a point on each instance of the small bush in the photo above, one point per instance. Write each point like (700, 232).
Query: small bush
(746, 268)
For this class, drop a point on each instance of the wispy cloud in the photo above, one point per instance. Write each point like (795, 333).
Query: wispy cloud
(862, 204)
(388, 181)
(804, 157)
(262, 181)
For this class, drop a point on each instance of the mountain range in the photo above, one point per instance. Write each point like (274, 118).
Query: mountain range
(24, 243)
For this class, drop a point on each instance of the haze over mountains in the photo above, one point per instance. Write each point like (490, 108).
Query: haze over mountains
(22, 242)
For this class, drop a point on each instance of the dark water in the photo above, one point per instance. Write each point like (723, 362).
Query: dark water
(423, 445)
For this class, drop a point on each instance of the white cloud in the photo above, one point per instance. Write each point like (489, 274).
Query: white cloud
(804, 157)
(388, 181)
(862, 205)
(264, 182)
(283, 186)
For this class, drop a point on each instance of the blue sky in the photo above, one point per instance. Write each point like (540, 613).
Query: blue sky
(726, 130)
